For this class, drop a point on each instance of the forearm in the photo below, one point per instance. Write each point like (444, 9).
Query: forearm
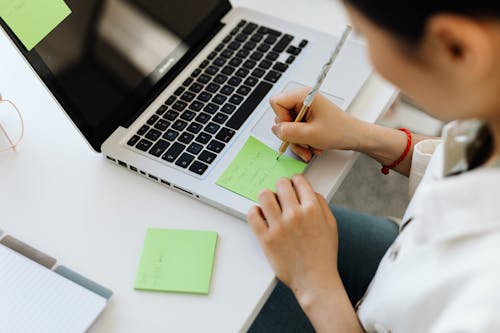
(386, 145)
(329, 309)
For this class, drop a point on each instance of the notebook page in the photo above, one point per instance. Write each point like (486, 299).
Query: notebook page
(35, 299)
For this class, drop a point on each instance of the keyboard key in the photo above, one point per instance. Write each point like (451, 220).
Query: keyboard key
(270, 40)
(242, 53)
(234, 45)
(228, 70)
(256, 56)
(204, 79)
(241, 37)
(263, 47)
(179, 91)
(246, 109)
(170, 100)
(171, 115)
(161, 110)
(143, 130)
(250, 28)
(290, 59)
(196, 72)
(235, 81)
(249, 64)
(203, 137)
(242, 72)
(227, 39)
(227, 53)
(188, 115)
(198, 168)
(251, 81)
(179, 125)
(257, 37)
(144, 145)
(220, 118)
(203, 118)
(221, 78)
(194, 128)
(170, 135)
(266, 64)
(225, 134)
(244, 90)
(212, 128)
(205, 96)
(241, 23)
(220, 62)
(303, 43)
(212, 70)
(235, 31)
(228, 108)
(227, 90)
(235, 62)
(188, 81)
(215, 146)
(219, 47)
(283, 43)
(207, 157)
(219, 99)
(179, 105)
(212, 55)
(196, 87)
(250, 46)
(162, 125)
(151, 121)
(188, 96)
(265, 31)
(236, 99)
(186, 138)
(280, 67)
(211, 108)
(153, 135)
(196, 106)
(272, 56)
(159, 148)
(272, 76)
(173, 152)
(213, 87)
(294, 50)
(133, 140)
(204, 64)
(195, 148)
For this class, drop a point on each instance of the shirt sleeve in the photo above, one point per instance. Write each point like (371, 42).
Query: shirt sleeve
(422, 154)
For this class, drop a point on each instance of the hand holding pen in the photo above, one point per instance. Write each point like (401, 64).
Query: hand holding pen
(321, 77)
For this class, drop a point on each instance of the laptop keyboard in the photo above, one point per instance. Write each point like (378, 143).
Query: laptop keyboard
(198, 121)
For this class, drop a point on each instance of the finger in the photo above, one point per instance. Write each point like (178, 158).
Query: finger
(257, 222)
(286, 194)
(269, 206)
(286, 103)
(304, 153)
(299, 133)
(304, 190)
(327, 212)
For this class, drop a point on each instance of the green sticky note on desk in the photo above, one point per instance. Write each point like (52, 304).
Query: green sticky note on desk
(255, 168)
(177, 260)
(32, 20)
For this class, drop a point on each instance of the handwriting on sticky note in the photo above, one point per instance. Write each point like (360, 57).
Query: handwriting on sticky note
(255, 168)
(32, 20)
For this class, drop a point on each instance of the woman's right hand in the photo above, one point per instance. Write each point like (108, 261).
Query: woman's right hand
(326, 126)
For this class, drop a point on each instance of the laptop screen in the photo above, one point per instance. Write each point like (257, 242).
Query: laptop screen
(108, 58)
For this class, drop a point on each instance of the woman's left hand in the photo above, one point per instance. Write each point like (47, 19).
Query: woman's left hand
(298, 233)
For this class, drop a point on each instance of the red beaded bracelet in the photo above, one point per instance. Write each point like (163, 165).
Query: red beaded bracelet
(386, 168)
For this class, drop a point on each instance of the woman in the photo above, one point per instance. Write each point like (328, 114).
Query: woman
(442, 271)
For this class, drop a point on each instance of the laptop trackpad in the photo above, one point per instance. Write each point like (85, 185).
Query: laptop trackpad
(262, 130)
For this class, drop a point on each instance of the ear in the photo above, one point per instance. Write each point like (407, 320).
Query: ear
(466, 46)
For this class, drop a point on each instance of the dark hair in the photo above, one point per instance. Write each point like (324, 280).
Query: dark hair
(407, 19)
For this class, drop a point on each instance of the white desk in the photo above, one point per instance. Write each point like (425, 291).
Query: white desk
(59, 196)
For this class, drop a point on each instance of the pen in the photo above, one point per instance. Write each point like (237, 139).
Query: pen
(310, 97)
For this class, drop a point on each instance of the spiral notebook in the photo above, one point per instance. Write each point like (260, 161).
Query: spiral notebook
(35, 298)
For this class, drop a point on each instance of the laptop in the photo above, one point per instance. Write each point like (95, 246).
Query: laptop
(171, 90)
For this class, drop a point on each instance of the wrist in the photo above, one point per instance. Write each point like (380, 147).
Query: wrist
(310, 294)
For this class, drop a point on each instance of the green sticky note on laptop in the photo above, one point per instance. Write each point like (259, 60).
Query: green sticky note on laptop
(177, 261)
(32, 20)
(255, 168)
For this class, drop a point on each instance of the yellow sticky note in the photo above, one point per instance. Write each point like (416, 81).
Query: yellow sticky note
(32, 20)
(256, 168)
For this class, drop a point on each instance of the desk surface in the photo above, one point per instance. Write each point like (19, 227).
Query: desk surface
(64, 199)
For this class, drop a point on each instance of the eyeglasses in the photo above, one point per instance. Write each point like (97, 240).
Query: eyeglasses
(12, 143)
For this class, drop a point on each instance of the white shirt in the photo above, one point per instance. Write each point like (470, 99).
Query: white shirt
(442, 274)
